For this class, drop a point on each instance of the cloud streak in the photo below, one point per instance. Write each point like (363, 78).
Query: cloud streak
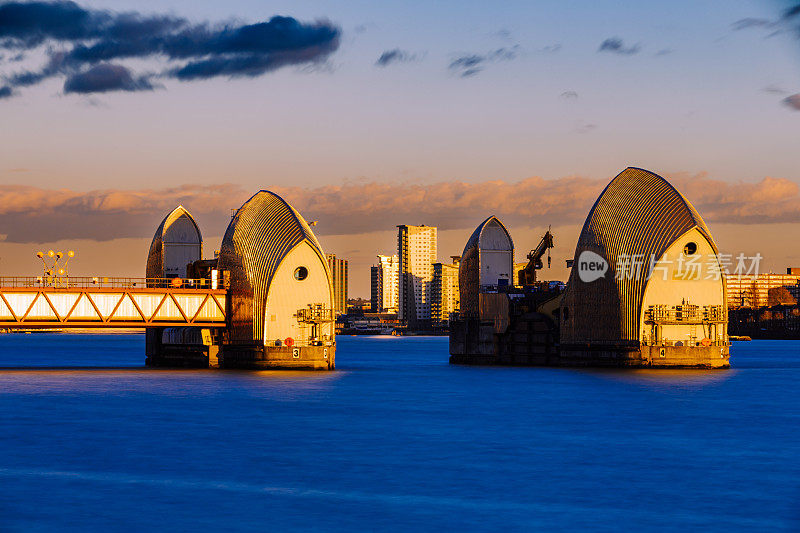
(106, 77)
(32, 214)
(394, 56)
(79, 40)
(471, 64)
(615, 45)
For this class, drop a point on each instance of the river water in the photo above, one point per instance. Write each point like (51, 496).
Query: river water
(395, 439)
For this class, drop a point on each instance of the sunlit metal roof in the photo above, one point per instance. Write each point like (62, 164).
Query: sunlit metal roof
(259, 236)
(155, 258)
(638, 214)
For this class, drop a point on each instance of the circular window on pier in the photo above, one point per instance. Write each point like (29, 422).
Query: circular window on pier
(690, 248)
(300, 273)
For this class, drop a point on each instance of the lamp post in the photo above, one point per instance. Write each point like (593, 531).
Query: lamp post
(53, 274)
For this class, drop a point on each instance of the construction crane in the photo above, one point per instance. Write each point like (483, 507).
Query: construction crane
(527, 276)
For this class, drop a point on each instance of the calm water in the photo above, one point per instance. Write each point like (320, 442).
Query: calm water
(396, 439)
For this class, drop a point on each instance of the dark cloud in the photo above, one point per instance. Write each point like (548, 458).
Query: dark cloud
(471, 64)
(551, 49)
(394, 56)
(81, 38)
(28, 24)
(106, 77)
(793, 101)
(569, 95)
(792, 12)
(6, 92)
(615, 45)
(664, 52)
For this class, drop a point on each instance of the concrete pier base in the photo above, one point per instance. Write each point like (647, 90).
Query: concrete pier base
(278, 357)
(530, 340)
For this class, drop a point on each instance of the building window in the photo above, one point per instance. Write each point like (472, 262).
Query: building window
(300, 273)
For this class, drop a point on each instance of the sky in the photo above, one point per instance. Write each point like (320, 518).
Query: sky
(366, 115)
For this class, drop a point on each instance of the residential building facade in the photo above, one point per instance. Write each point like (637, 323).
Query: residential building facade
(384, 276)
(754, 290)
(338, 268)
(444, 294)
(416, 250)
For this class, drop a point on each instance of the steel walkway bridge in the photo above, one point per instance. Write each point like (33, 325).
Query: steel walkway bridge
(67, 302)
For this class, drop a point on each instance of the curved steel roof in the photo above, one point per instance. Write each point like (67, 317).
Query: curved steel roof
(469, 268)
(638, 214)
(259, 236)
(475, 238)
(155, 258)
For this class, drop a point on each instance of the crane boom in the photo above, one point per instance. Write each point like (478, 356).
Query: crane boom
(528, 274)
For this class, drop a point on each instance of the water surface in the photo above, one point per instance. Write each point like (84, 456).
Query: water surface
(395, 439)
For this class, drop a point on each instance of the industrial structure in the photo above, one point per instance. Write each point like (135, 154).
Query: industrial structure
(501, 322)
(487, 264)
(266, 301)
(647, 308)
(280, 290)
(637, 295)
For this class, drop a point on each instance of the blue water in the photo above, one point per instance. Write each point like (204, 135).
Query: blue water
(395, 439)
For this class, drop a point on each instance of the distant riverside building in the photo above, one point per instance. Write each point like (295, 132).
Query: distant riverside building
(338, 268)
(416, 249)
(755, 291)
(444, 292)
(384, 284)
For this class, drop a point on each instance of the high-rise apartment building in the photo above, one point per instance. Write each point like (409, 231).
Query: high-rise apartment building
(384, 284)
(444, 292)
(338, 268)
(416, 250)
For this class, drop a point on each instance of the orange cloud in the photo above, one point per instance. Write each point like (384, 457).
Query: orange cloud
(31, 214)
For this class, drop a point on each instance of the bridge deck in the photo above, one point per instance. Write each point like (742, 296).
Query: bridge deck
(110, 303)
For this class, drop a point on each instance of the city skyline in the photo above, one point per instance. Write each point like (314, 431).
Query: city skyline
(440, 115)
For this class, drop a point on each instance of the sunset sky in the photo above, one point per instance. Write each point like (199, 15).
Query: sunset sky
(366, 115)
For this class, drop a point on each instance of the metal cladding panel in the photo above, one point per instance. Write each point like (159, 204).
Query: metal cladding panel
(262, 232)
(638, 213)
(469, 269)
(155, 258)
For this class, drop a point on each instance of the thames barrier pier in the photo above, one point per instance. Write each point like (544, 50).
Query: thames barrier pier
(278, 291)
(265, 301)
(637, 295)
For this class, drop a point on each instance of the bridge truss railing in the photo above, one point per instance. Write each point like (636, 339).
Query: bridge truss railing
(88, 282)
(39, 302)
